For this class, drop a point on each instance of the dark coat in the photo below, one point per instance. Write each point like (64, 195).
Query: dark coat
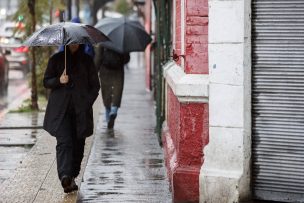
(111, 74)
(83, 88)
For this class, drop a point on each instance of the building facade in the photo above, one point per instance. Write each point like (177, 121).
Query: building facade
(233, 125)
(184, 90)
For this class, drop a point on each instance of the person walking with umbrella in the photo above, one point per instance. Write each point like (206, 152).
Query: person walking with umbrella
(111, 74)
(72, 77)
(125, 36)
(69, 115)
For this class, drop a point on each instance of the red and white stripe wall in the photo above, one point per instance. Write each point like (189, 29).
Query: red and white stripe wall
(185, 131)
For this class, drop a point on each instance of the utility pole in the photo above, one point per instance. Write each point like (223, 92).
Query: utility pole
(62, 16)
(69, 8)
(77, 8)
(51, 11)
(8, 8)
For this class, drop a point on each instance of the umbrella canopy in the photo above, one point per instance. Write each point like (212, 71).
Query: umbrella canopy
(65, 33)
(125, 35)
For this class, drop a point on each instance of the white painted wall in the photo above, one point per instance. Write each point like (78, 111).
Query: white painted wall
(225, 174)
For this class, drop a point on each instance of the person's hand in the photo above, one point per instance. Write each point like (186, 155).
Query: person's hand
(64, 79)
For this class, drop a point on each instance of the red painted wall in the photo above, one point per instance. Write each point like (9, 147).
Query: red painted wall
(196, 36)
(193, 133)
(184, 137)
(177, 30)
(148, 8)
(171, 133)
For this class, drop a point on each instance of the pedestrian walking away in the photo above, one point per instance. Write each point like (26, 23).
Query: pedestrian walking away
(111, 74)
(69, 115)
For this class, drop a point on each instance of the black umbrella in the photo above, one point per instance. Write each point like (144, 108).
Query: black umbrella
(125, 35)
(65, 33)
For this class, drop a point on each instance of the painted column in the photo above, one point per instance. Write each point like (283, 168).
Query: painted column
(148, 49)
(225, 174)
(185, 131)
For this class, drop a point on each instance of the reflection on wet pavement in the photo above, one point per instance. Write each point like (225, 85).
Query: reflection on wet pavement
(126, 164)
(22, 120)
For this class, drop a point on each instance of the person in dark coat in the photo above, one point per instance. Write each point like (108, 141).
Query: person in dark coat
(111, 74)
(69, 113)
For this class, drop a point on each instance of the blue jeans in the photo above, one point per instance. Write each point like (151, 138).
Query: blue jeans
(111, 111)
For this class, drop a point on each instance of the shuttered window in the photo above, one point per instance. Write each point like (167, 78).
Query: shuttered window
(278, 99)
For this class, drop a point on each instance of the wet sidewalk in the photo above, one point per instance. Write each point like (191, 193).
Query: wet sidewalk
(28, 161)
(126, 164)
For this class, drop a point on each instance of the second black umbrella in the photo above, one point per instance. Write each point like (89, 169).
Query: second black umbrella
(125, 35)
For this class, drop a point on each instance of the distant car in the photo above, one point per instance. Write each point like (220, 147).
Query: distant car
(18, 58)
(3, 71)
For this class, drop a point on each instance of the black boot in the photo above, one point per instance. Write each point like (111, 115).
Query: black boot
(73, 185)
(68, 184)
(65, 183)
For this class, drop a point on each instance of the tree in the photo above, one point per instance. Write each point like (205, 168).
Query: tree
(123, 7)
(34, 96)
(33, 14)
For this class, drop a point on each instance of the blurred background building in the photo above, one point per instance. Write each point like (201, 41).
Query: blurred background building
(8, 8)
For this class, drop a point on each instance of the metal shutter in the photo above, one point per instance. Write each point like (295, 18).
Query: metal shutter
(278, 99)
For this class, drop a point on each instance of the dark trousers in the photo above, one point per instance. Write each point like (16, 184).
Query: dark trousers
(69, 149)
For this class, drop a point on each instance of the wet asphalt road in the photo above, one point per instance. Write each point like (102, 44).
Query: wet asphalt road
(17, 85)
(126, 164)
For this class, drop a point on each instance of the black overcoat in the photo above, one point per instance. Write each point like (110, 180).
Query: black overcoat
(111, 74)
(83, 88)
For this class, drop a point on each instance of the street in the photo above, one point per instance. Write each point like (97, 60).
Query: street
(18, 85)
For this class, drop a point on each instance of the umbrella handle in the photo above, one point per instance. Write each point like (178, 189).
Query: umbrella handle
(64, 72)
